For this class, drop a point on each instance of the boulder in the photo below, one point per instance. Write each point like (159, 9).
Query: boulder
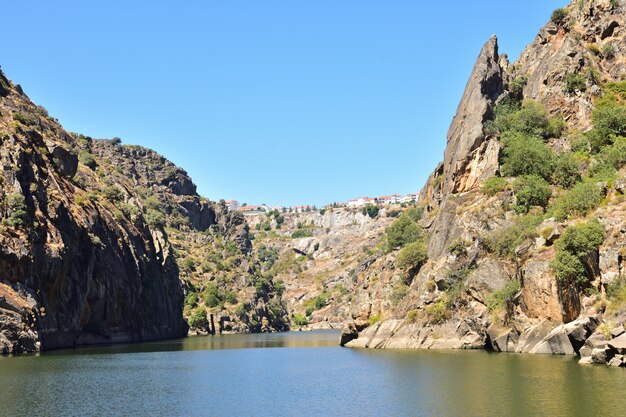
(578, 331)
(348, 333)
(598, 356)
(502, 339)
(595, 341)
(617, 331)
(618, 345)
(616, 361)
(65, 161)
(556, 343)
(533, 335)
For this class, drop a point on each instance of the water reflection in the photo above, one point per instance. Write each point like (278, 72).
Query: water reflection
(310, 375)
(321, 338)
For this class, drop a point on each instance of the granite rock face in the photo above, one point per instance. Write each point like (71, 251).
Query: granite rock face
(75, 270)
(450, 300)
(464, 151)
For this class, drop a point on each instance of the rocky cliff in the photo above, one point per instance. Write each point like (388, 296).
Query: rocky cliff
(318, 257)
(100, 241)
(534, 162)
(75, 269)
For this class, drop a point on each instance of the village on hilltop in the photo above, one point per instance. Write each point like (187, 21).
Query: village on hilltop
(234, 205)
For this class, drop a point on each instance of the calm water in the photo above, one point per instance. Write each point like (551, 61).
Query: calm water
(301, 374)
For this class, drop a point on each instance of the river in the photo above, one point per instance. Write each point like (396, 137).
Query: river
(301, 374)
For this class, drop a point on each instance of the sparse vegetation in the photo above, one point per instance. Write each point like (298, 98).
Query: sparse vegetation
(499, 299)
(574, 82)
(87, 159)
(493, 186)
(15, 210)
(573, 247)
(412, 256)
(370, 210)
(559, 16)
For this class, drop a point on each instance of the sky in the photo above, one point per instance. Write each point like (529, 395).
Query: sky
(275, 102)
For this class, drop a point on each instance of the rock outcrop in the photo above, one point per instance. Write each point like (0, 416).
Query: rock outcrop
(453, 300)
(468, 155)
(74, 270)
(97, 240)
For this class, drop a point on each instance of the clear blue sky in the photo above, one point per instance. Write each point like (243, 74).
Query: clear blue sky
(277, 102)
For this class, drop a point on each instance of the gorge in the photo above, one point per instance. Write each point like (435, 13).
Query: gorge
(517, 242)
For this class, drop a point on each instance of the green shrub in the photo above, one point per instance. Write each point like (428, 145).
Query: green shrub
(394, 213)
(153, 202)
(493, 186)
(458, 248)
(556, 126)
(301, 233)
(198, 319)
(583, 238)
(299, 319)
(530, 118)
(16, 210)
(154, 218)
(499, 299)
(578, 201)
(24, 119)
(398, 292)
(616, 153)
(566, 171)
(402, 231)
(573, 82)
(87, 159)
(526, 155)
(212, 296)
(116, 141)
(415, 213)
(502, 242)
(437, 312)
(412, 256)
(559, 16)
(576, 243)
(516, 86)
(230, 297)
(113, 193)
(191, 299)
(608, 119)
(370, 210)
(569, 268)
(531, 190)
(608, 51)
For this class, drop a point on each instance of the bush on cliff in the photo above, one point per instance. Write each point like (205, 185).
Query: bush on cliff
(526, 155)
(498, 300)
(299, 319)
(502, 242)
(580, 200)
(370, 210)
(530, 191)
(412, 256)
(402, 231)
(493, 186)
(566, 172)
(87, 159)
(16, 209)
(559, 16)
(577, 243)
(198, 319)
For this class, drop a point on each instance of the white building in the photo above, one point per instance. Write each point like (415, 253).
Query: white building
(233, 205)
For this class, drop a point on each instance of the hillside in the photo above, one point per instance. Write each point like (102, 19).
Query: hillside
(103, 242)
(319, 256)
(522, 244)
